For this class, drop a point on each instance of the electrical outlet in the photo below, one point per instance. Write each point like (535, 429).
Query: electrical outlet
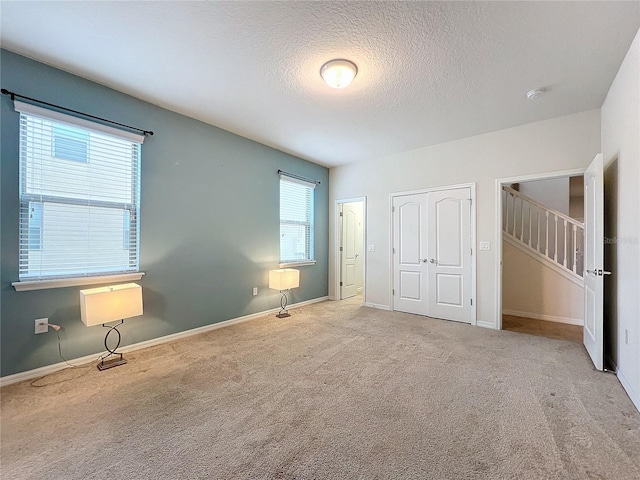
(255, 291)
(42, 325)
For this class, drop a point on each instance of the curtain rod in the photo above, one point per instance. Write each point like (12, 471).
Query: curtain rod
(14, 95)
(293, 175)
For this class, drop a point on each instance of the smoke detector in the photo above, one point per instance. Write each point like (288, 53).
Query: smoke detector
(535, 93)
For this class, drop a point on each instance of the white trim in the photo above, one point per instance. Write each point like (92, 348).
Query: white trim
(431, 189)
(474, 255)
(377, 305)
(30, 109)
(633, 395)
(39, 372)
(297, 264)
(498, 227)
(548, 318)
(473, 320)
(547, 262)
(484, 324)
(25, 286)
(337, 259)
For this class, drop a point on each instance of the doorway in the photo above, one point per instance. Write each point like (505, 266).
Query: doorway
(350, 268)
(556, 240)
(433, 258)
(542, 242)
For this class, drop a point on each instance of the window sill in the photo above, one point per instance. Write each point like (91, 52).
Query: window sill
(74, 282)
(297, 264)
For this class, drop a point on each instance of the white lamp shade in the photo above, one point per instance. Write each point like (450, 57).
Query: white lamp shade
(108, 304)
(284, 279)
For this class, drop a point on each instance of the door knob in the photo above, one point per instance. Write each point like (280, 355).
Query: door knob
(424, 260)
(432, 260)
(598, 273)
(357, 255)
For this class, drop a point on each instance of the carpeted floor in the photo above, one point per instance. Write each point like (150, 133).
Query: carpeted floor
(337, 391)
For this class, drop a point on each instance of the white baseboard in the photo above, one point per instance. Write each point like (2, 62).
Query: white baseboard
(548, 318)
(482, 324)
(377, 305)
(633, 395)
(42, 371)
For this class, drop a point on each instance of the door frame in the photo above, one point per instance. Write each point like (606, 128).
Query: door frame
(474, 256)
(338, 257)
(498, 226)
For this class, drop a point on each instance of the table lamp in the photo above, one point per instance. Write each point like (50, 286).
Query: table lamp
(109, 304)
(284, 280)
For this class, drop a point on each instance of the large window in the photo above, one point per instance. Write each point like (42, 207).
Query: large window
(79, 197)
(296, 221)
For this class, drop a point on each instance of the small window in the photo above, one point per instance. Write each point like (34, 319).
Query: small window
(296, 221)
(79, 198)
(70, 143)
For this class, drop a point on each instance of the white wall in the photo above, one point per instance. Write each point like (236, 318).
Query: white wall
(621, 150)
(563, 143)
(532, 289)
(553, 193)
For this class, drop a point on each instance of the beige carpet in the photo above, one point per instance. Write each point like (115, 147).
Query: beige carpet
(337, 391)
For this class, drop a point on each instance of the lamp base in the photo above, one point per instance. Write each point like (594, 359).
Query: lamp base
(111, 359)
(114, 362)
(283, 313)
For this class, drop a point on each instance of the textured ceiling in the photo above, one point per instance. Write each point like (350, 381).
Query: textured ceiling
(428, 72)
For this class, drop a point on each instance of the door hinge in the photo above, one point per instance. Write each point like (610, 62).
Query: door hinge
(472, 301)
(393, 250)
(340, 283)
(472, 251)
(393, 209)
(393, 292)
(341, 214)
(340, 248)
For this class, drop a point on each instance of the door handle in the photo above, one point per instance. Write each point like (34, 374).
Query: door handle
(356, 255)
(598, 273)
(432, 260)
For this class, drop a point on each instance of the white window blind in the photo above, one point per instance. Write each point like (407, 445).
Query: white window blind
(79, 197)
(296, 220)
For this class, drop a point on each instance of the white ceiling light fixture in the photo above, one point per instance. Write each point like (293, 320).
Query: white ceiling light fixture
(535, 93)
(338, 73)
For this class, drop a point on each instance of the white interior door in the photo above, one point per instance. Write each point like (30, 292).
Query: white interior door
(593, 334)
(432, 272)
(349, 247)
(449, 251)
(410, 253)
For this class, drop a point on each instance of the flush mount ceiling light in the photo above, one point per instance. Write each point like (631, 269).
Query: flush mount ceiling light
(338, 73)
(535, 93)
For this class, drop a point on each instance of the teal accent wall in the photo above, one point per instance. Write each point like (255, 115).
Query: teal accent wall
(209, 223)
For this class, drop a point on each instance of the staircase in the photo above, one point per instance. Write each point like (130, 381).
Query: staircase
(549, 235)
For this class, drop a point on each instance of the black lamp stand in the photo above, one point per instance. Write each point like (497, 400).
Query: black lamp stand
(283, 313)
(111, 359)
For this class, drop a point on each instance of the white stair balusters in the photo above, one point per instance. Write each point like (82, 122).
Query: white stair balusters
(549, 233)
